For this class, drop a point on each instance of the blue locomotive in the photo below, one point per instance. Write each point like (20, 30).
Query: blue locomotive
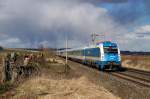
(105, 55)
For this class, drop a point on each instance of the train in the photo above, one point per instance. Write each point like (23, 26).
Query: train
(104, 55)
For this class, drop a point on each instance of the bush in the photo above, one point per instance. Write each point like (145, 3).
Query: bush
(1, 48)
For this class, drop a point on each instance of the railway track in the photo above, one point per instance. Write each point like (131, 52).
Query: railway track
(146, 73)
(137, 80)
(138, 77)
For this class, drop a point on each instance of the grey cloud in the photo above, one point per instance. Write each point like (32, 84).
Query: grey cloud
(35, 22)
(131, 12)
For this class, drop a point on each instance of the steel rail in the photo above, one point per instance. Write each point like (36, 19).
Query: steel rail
(139, 71)
(140, 81)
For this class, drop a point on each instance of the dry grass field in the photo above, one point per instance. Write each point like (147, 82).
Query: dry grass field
(55, 80)
(53, 83)
(136, 61)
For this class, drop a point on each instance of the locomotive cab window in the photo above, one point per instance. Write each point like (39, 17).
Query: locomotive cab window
(110, 50)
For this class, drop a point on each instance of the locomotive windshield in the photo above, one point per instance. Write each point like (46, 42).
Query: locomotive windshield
(110, 50)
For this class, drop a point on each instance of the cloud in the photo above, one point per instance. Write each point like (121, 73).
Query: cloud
(137, 40)
(130, 12)
(35, 21)
(10, 41)
(143, 32)
(30, 23)
(143, 29)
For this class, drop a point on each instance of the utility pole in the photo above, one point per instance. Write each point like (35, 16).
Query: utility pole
(93, 38)
(94, 35)
(66, 49)
(66, 65)
(104, 36)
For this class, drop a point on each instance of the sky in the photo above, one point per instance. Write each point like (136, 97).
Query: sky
(31, 23)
